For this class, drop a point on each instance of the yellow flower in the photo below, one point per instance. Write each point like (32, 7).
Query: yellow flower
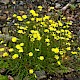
(40, 8)
(32, 19)
(21, 44)
(56, 50)
(24, 16)
(30, 54)
(38, 38)
(5, 54)
(37, 49)
(15, 56)
(32, 11)
(51, 8)
(21, 49)
(47, 40)
(14, 39)
(11, 50)
(68, 43)
(0, 32)
(51, 28)
(35, 14)
(14, 15)
(34, 26)
(78, 48)
(63, 18)
(58, 31)
(59, 63)
(16, 24)
(74, 52)
(70, 23)
(48, 44)
(28, 22)
(32, 31)
(56, 57)
(20, 31)
(21, 27)
(19, 18)
(5, 44)
(51, 21)
(18, 46)
(41, 57)
(32, 39)
(46, 18)
(68, 48)
(1, 41)
(62, 52)
(60, 23)
(31, 71)
(46, 30)
(2, 49)
(35, 35)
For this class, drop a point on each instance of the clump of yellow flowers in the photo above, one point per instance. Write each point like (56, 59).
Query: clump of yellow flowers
(39, 42)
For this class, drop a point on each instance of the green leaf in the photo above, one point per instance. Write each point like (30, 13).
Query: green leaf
(3, 77)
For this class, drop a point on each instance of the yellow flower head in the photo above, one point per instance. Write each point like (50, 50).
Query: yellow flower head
(5, 44)
(56, 50)
(0, 32)
(5, 54)
(19, 18)
(24, 16)
(47, 40)
(56, 57)
(68, 48)
(60, 23)
(74, 52)
(37, 49)
(46, 17)
(30, 54)
(51, 8)
(46, 31)
(32, 11)
(11, 50)
(41, 57)
(14, 15)
(18, 46)
(15, 56)
(14, 39)
(40, 8)
(58, 62)
(32, 19)
(21, 49)
(21, 44)
(2, 49)
(20, 31)
(28, 22)
(31, 71)
(48, 44)
(32, 39)
(78, 48)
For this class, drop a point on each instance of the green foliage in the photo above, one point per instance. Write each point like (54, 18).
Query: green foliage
(3, 77)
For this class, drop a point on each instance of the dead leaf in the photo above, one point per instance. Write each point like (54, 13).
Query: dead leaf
(10, 77)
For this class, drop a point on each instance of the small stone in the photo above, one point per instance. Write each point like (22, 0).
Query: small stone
(40, 74)
(57, 5)
(78, 1)
(10, 77)
(4, 1)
